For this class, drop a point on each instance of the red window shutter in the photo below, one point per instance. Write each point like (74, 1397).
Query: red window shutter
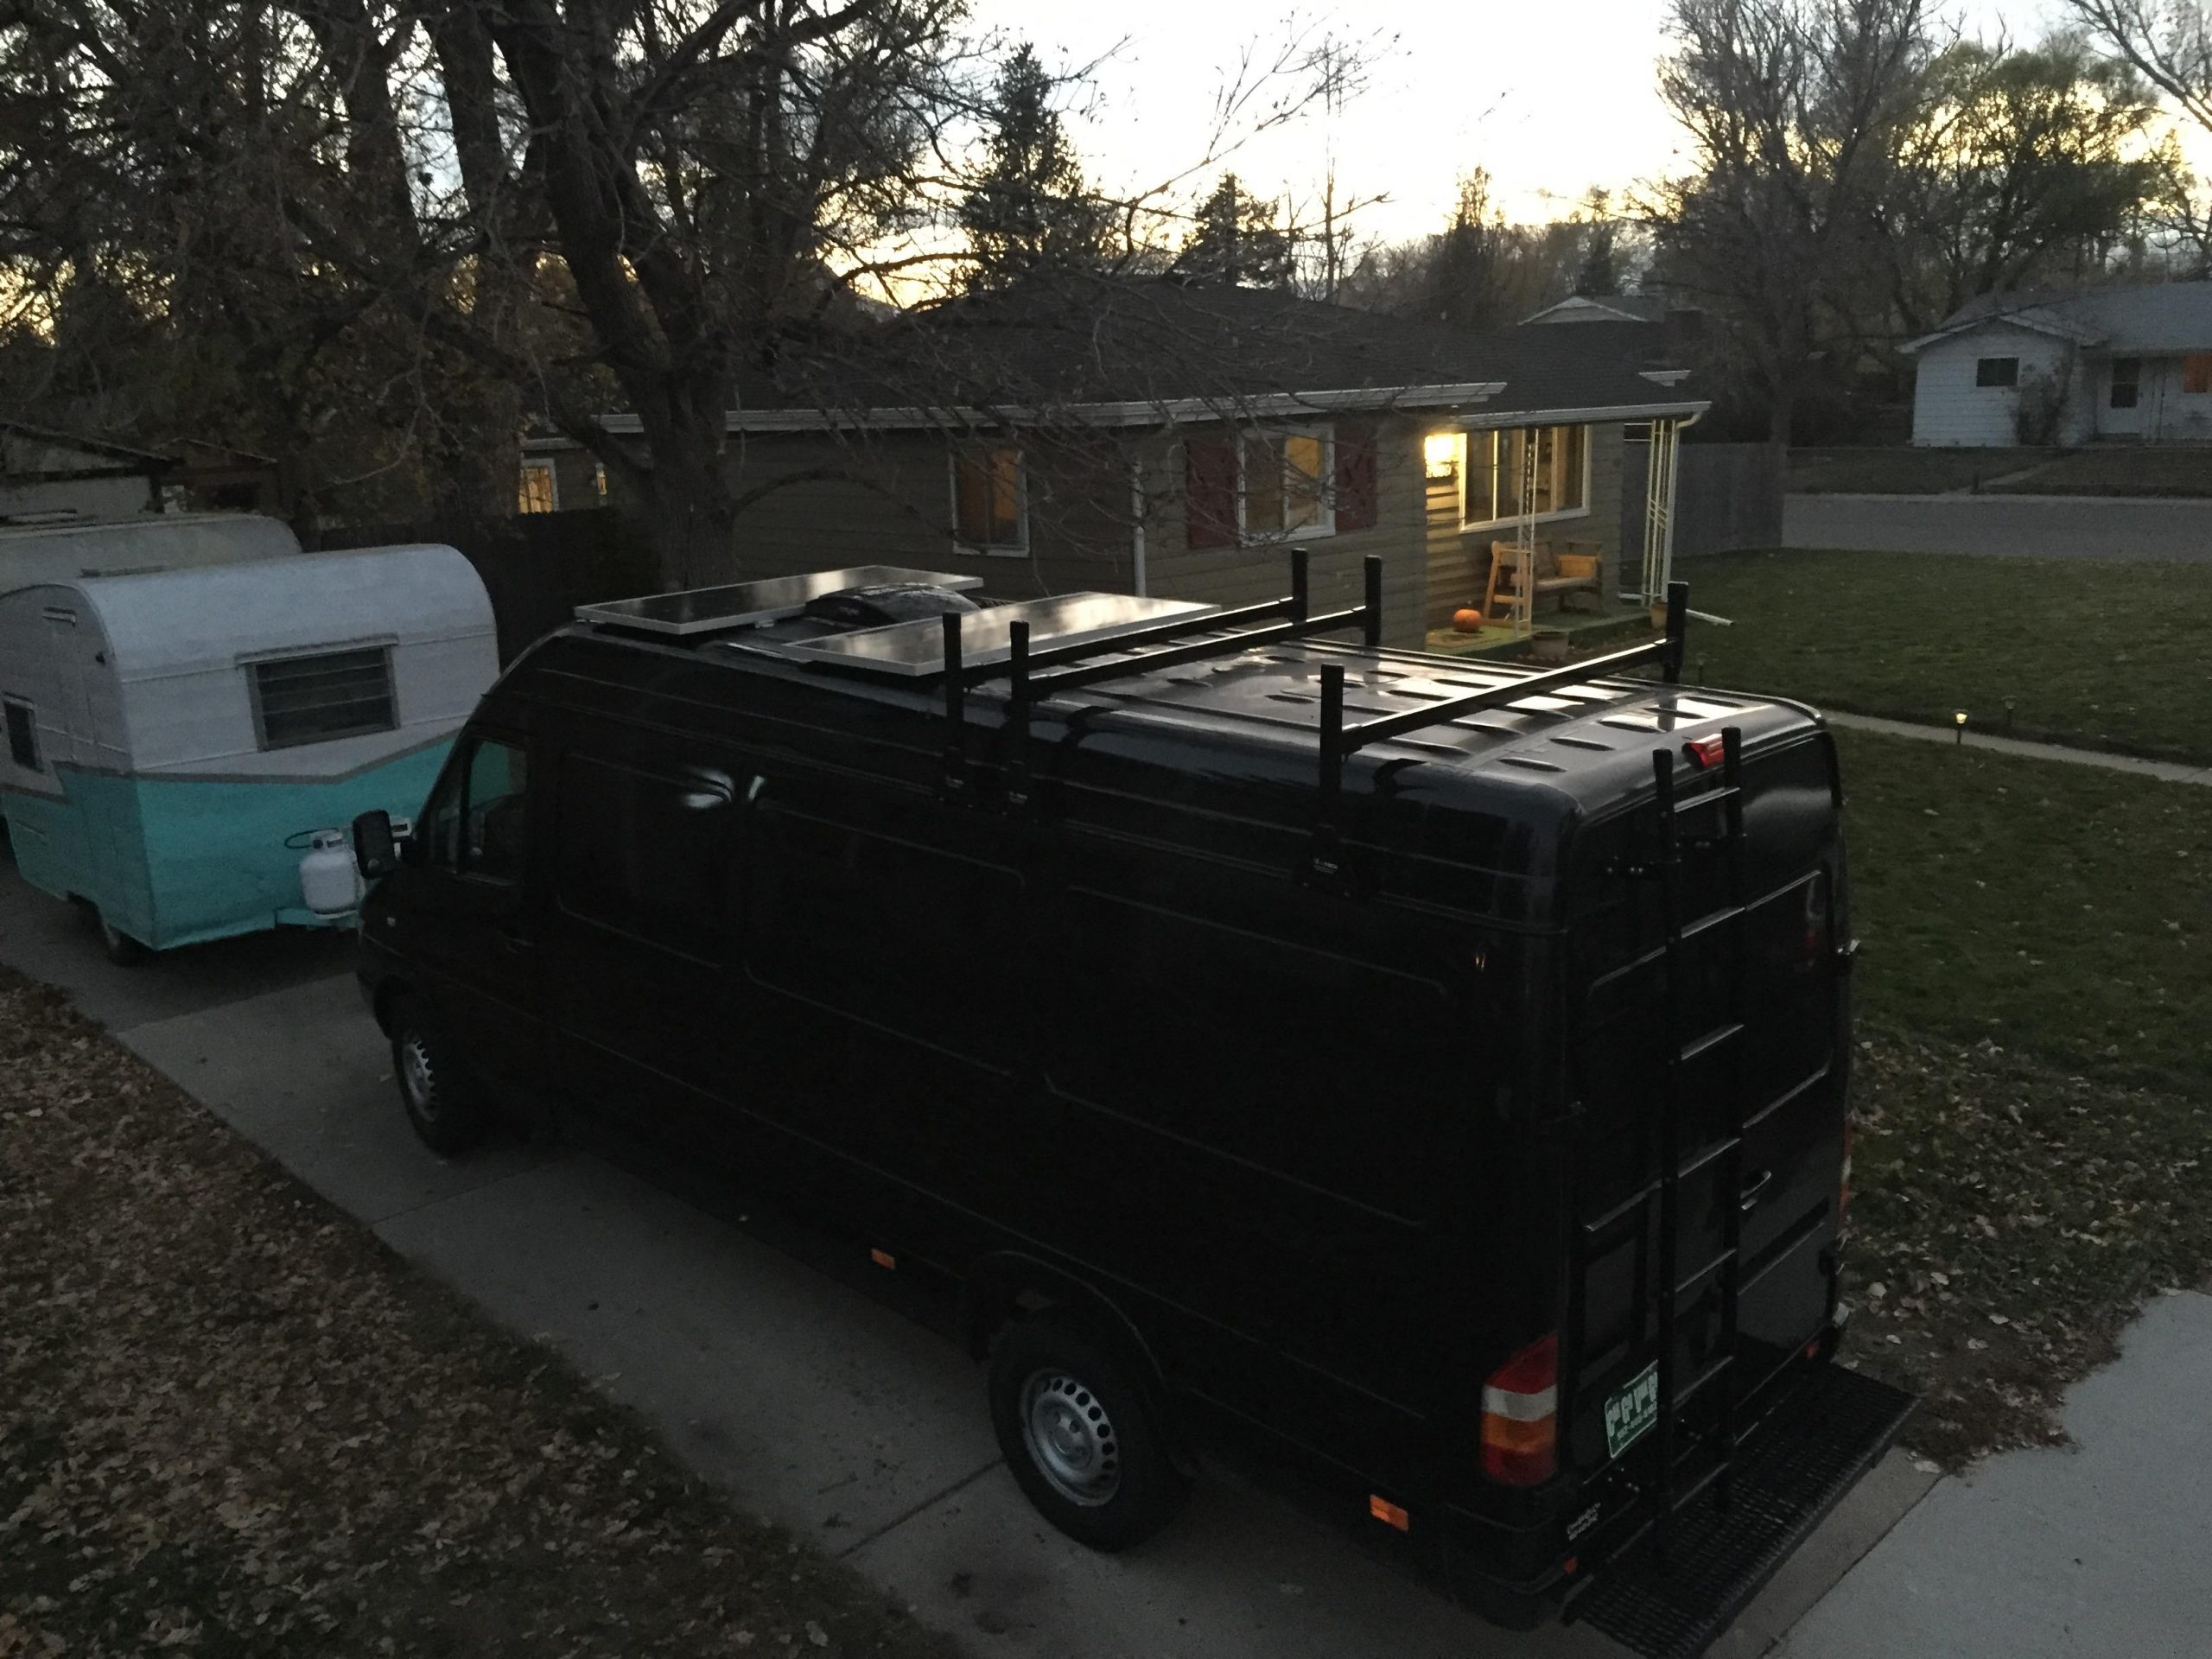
(1209, 492)
(1355, 476)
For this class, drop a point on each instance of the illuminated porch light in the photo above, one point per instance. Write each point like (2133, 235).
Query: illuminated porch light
(1440, 454)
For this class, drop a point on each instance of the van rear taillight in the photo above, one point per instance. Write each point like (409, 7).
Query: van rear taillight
(1706, 751)
(1521, 1416)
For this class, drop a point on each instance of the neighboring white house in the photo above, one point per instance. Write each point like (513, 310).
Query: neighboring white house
(2128, 362)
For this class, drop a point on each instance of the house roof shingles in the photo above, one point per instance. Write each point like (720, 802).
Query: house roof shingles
(2163, 318)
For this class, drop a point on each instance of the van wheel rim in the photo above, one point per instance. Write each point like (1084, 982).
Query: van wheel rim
(419, 1077)
(1071, 1438)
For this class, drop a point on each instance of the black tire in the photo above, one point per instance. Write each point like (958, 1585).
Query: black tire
(1080, 1435)
(122, 950)
(442, 1102)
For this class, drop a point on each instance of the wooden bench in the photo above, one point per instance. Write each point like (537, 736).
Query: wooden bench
(1562, 568)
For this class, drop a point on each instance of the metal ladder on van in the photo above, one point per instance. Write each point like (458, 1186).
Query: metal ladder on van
(1725, 1039)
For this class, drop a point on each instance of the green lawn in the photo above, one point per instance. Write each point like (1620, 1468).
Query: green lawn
(2060, 910)
(2101, 656)
(1899, 470)
(2034, 1082)
(2121, 470)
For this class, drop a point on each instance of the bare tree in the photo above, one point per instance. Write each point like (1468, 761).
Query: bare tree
(1796, 111)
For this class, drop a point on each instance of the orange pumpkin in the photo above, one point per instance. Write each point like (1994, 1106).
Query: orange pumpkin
(1468, 621)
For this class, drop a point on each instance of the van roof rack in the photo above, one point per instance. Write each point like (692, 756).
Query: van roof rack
(1036, 675)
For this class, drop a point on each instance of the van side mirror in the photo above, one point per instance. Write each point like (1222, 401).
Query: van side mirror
(376, 848)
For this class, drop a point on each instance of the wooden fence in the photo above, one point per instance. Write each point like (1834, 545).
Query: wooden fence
(1726, 495)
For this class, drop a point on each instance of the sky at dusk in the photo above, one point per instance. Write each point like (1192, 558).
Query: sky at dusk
(1552, 96)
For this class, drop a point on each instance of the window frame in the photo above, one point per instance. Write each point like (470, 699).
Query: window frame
(252, 666)
(1553, 516)
(1982, 381)
(454, 784)
(11, 706)
(2133, 384)
(537, 464)
(1326, 490)
(709, 944)
(1018, 549)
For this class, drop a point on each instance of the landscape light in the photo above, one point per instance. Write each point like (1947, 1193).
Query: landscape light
(1958, 720)
(1440, 453)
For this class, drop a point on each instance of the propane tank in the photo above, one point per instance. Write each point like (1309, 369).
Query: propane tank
(328, 880)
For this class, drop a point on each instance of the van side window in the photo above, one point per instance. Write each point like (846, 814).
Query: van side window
(476, 821)
(909, 938)
(1263, 1049)
(645, 854)
(22, 734)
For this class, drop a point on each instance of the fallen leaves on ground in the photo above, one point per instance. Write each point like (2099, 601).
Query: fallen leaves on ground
(231, 1421)
(2009, 1220)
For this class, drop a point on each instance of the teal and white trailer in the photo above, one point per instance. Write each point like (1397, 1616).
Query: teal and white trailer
(152, 541)
(175, 739)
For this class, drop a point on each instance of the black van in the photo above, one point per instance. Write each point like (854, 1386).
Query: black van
(1430, 1070)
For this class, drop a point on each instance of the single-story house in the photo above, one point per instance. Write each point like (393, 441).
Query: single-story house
(48, 476)
(1173, 439)
(2133, 364)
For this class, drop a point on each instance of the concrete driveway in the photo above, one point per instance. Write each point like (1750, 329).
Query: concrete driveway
(814, 1403)
(2031, 526)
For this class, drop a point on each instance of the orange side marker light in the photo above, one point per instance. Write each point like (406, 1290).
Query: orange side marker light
(884, 1259)
(1391, 1514)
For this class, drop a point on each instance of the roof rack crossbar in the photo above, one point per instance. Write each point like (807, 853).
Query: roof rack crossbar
(1339, 740)
(1067, 679)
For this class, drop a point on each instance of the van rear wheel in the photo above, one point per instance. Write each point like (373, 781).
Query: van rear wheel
(443, 1104)
(1078, 1433)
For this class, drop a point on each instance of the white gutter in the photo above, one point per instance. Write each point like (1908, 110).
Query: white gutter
(1484, 422)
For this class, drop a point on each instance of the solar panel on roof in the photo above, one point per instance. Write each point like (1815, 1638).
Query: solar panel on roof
(986, 637)
(702, 610)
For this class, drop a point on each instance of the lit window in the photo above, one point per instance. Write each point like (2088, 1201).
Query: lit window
(1997, 371)
(2126, 381)
(541, 491)
(598, 479)
(988, 509)
(1550, 465)
(1283, 484)
(2196, 373)
(329, 694)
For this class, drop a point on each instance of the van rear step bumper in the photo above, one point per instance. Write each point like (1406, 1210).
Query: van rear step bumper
(1793, 1469)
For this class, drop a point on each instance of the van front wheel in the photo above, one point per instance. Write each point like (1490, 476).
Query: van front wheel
(1077, 1435)
(122, 950)
(443, 1106)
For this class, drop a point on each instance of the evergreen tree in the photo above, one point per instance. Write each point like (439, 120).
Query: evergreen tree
(1599, 273)
(1030, 211)
(1239, 240)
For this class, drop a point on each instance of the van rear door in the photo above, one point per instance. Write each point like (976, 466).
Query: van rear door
(1756, 1012)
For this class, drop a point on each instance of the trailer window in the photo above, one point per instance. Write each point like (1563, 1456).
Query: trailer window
(645, 854)
(22, 734)
(1315, 1065)
(319, 696)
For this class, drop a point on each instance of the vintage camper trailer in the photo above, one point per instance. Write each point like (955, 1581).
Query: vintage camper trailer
(30, 553)
(175, 739)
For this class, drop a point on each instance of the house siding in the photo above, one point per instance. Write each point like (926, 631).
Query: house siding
(1949, 408)
(1255, 573)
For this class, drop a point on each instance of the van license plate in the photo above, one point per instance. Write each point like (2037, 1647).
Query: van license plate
(1631, 1411)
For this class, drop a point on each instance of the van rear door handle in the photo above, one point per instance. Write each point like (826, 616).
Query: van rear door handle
(1750, 1196)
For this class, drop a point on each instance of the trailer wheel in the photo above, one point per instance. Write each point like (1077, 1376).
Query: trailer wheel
(122, 950)
(442, 1102)
(1077, 1434)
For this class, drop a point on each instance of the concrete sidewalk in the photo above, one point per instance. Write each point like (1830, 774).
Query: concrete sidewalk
(2172, 772)
(2092, 1551)
(813, 1402)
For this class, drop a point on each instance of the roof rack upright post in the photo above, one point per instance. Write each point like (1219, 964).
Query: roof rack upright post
(1301, 605)
(1678, 632)
(956, 712)
(1370, 613)
(1323, 861)
(1017, 716)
